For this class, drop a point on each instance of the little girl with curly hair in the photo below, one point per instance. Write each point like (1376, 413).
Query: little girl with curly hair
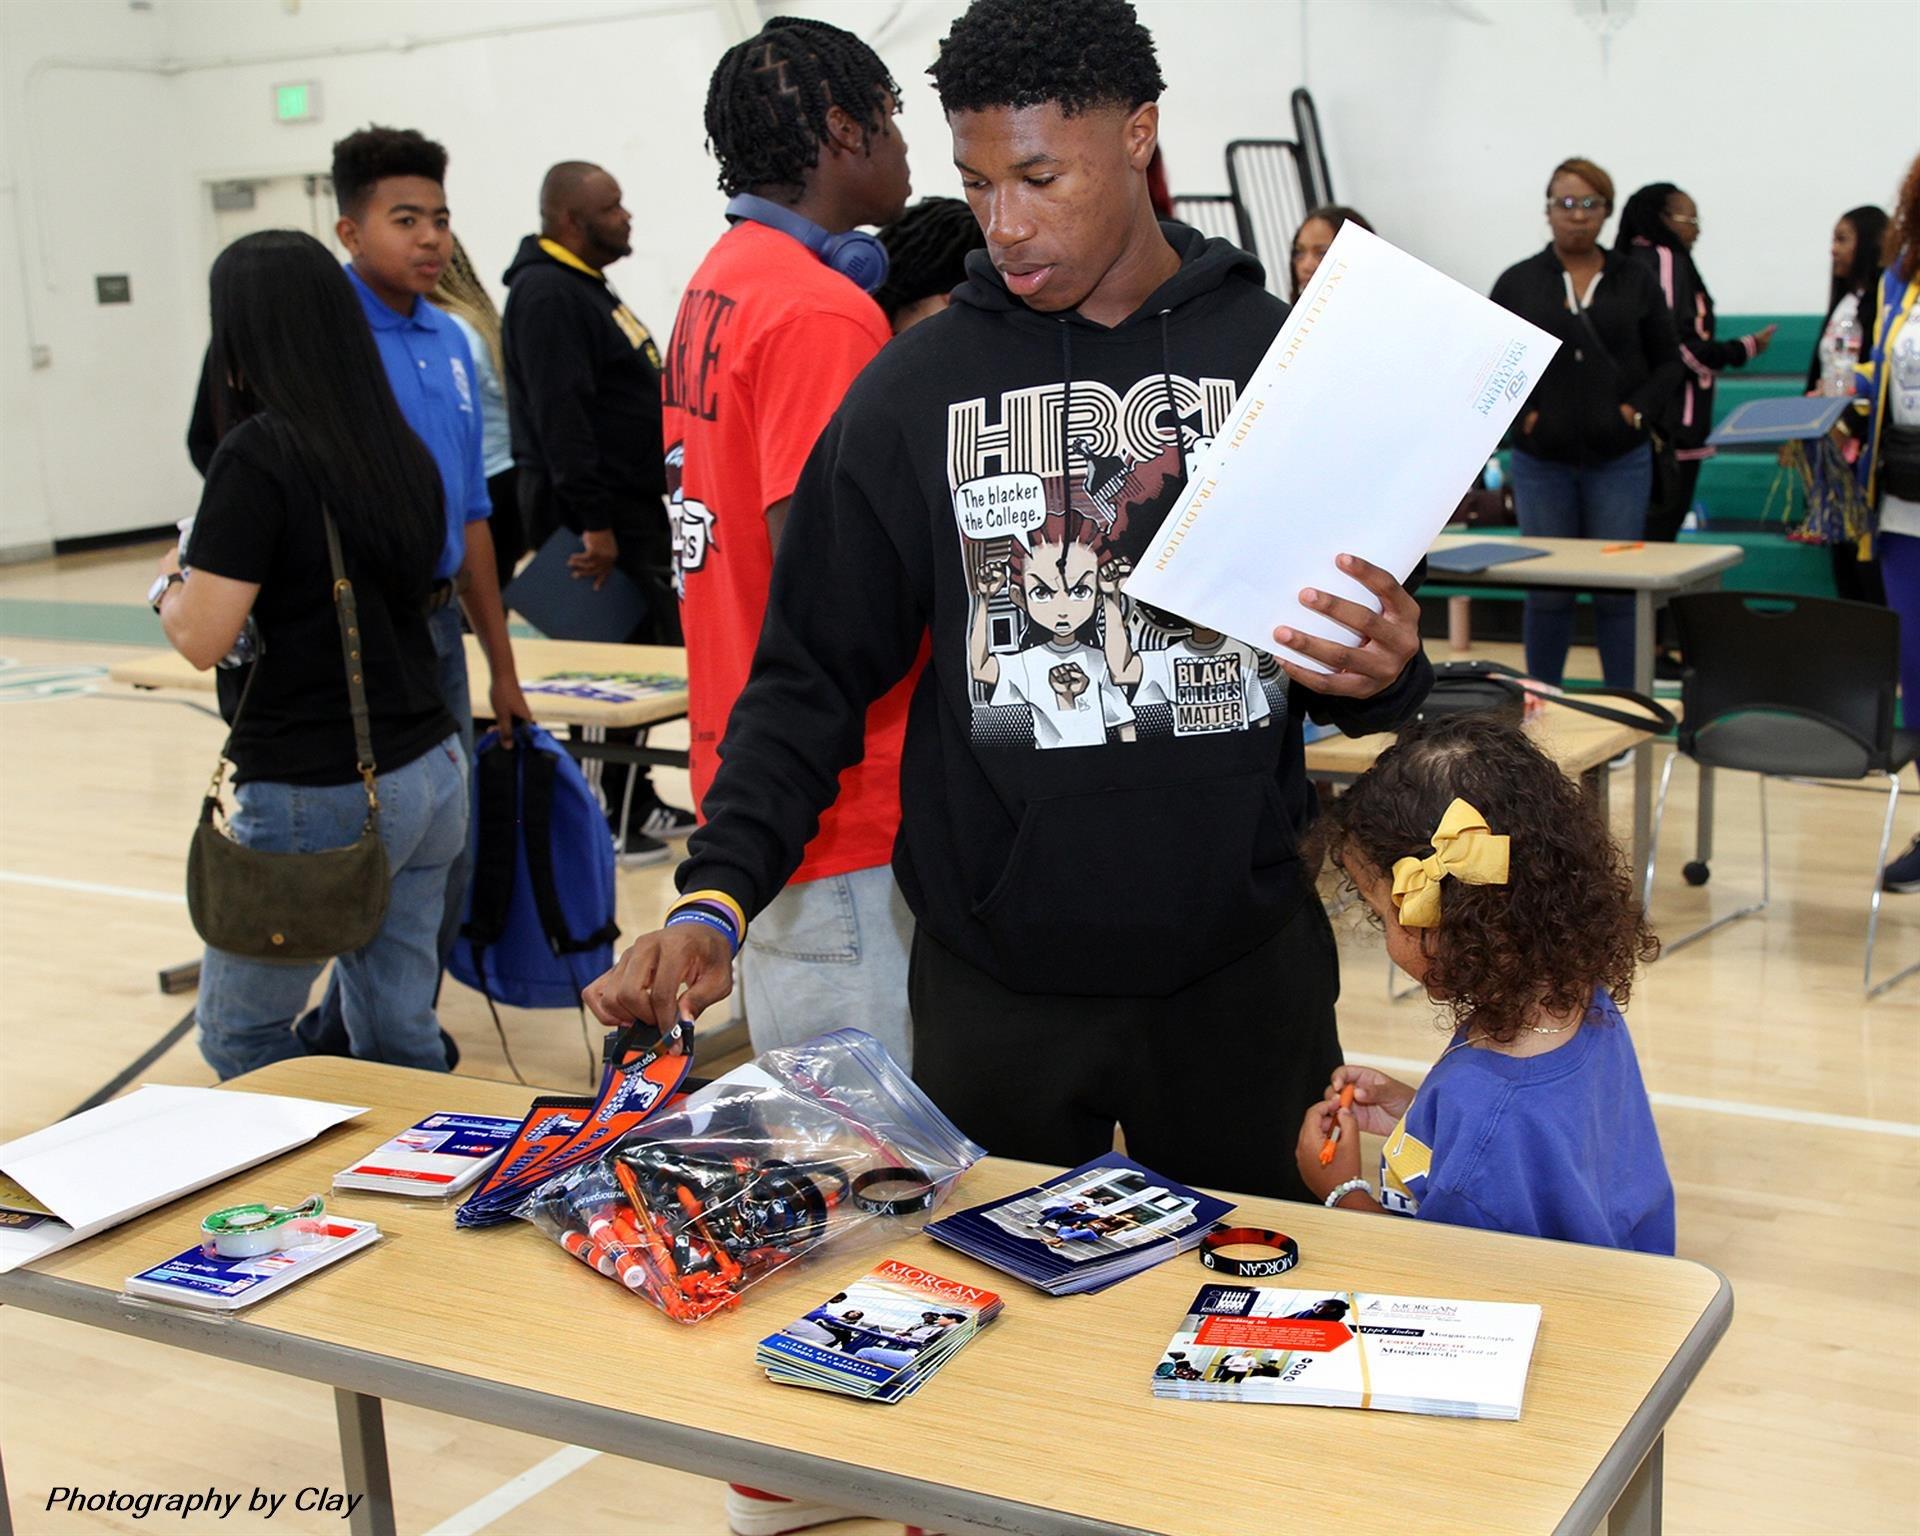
(1501, 891)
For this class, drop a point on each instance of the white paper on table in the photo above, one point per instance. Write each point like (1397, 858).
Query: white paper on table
(109, 1164)
(1386, 391)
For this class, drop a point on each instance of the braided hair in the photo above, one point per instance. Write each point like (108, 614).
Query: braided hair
(1076, 54)
(927, 250)
(768, 99)
(1643, 217)
(460, 292)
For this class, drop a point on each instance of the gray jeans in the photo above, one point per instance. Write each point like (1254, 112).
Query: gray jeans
(831, 954)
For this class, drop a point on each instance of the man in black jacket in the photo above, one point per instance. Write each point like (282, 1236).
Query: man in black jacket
(1095, 876)
(583, 400)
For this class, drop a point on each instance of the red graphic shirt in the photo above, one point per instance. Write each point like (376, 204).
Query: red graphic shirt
(765, 344)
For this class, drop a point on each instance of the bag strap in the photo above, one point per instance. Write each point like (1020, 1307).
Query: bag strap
(1586, 320)
(539, 775)
(347, 613)
(1657, 718)
(496, 850)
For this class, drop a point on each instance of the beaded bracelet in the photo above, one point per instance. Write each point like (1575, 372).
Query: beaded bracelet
(1341, 1191)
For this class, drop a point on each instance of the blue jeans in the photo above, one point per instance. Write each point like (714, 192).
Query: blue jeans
(386, 988)
(1574, 501)
(831, 954)
(1899, 556)
(324, 1029)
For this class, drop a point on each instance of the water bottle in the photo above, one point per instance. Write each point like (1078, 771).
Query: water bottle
(1492, 477)
(1837, 377)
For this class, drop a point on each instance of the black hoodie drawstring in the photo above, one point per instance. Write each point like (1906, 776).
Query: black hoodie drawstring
(1173, 405)
(1066, 470)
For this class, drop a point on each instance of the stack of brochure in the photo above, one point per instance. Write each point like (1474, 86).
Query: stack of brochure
(1085, 1230)
(881, 1337)
(441, 1155)
(199, 1279)
(1347, 1349)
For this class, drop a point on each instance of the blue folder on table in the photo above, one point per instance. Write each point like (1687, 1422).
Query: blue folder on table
(565, 607)
(1471, 559)
(1783, 419)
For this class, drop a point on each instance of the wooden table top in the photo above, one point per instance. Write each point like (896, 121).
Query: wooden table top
(535, 658)
(1049, 1410)
(1575, 740)
(1650, 566)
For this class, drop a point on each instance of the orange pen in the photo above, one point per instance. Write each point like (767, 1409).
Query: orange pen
(1327, 1146)
(1621, 549)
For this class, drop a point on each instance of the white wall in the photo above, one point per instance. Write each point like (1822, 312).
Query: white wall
(1442, 116)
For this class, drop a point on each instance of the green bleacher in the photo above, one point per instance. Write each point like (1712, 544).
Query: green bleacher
(1743, 497)
(1738, 490)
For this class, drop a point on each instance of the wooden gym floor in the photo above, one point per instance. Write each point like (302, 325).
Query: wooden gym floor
(1788, 1105)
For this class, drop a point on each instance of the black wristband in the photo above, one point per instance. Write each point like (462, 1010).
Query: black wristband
(919, 1199)
(1286, 1252)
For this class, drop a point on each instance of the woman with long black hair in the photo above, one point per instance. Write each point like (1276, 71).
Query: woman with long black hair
(1854, 257)
(316, 426)
(1658, 227)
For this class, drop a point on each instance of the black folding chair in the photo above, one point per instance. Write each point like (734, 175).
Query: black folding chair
(1797, 688)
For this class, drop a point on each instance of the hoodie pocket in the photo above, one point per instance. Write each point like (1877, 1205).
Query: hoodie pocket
(1139, 891)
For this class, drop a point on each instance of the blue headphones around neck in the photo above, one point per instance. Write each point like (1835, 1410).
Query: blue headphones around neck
(856, 255)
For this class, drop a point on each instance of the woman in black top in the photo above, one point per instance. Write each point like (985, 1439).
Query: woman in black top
(1582, 467)
(1658, 228)
(316, 424)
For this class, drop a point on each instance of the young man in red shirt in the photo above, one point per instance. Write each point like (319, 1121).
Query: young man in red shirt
(774, 326)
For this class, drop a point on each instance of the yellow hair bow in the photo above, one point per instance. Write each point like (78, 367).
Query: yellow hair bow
(1462, 847)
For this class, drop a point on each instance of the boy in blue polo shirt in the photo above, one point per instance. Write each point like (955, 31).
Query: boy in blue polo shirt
(390, 186)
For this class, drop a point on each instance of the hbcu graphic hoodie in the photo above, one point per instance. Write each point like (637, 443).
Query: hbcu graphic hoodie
(1097, 797)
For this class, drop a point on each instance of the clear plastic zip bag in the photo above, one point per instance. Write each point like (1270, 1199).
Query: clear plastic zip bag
(794, 1149)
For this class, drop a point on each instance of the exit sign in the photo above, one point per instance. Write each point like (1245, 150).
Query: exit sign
(298, 102)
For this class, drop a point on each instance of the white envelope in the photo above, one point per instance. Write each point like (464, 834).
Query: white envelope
(113, 1162)
(1384, 394)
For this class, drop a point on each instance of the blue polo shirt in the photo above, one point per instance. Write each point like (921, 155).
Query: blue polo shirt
(431, 372)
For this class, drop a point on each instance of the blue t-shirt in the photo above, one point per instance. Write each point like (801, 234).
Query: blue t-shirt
(431, 373)
(1559, 1145)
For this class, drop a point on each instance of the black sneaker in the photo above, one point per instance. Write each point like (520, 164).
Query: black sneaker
(1903, 874)
(452, 1048)
(640, 849)
(667, 821)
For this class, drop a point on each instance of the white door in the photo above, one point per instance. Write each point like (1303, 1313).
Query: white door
(300, 202)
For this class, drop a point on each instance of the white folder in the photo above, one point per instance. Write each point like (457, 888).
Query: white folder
(97, 1169)
(1384, 394)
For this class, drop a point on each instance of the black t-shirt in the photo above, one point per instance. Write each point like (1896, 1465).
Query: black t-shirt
(259, 521)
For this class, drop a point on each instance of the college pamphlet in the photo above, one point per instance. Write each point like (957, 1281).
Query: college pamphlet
(1089, 1228)
(1302, 472)
(197, 1278)
(880, 1338)
(1347, 1349)
(441, 1155)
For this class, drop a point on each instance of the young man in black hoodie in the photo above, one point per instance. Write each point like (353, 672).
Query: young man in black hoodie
(1097, 881)
(583, 401)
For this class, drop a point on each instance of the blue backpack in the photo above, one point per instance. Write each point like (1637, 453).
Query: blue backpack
(539, 915)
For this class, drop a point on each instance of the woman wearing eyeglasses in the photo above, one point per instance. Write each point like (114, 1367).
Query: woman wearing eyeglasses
(1582, 464)
(1658, 228)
